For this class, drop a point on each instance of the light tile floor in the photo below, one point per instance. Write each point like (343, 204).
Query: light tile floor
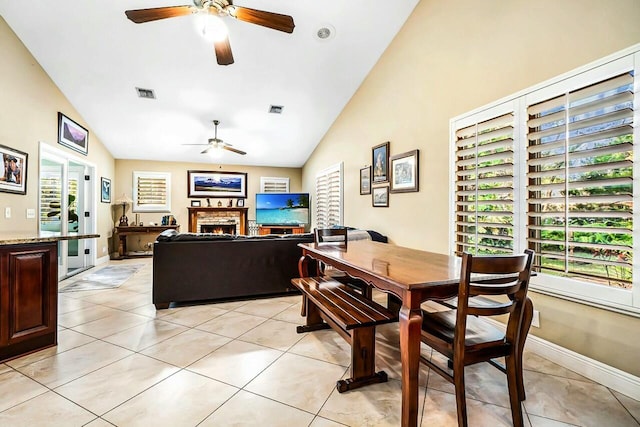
(120, 362)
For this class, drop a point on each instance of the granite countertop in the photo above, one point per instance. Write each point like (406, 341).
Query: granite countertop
(15, 238)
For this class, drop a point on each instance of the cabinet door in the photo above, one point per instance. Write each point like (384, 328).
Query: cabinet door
(28, 293)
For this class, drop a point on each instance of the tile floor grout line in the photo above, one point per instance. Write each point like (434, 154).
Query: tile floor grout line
(624, 406)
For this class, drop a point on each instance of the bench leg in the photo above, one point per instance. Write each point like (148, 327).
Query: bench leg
(314, 321)
(363, 361)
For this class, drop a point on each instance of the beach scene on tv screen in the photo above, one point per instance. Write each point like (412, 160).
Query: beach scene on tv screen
(282, 208)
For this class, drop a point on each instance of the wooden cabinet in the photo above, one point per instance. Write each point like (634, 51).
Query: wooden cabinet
(28, 298)
(124, 231)
(280, 229)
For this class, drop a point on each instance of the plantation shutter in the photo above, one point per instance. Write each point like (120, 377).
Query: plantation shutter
(329, 197)
(274, 185)
(151, 192)
(580, 182)
(50, 198)
(484, 186)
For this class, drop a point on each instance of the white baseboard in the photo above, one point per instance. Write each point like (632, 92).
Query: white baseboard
(613, 378)
(102, 260)
(599, 372)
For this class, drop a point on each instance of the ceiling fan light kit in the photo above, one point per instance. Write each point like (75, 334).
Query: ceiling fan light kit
(214, 29)
(215, 146)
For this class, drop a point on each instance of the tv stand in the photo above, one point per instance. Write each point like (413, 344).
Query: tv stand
(280, 229)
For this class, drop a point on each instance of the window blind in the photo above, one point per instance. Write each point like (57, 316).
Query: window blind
(274, 185)
(151, 192)
(329, 197)
(484, 186)
(580, 182)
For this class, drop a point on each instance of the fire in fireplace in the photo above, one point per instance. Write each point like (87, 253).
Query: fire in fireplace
(218, 228)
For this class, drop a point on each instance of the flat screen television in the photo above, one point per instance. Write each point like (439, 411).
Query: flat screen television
(282, 208)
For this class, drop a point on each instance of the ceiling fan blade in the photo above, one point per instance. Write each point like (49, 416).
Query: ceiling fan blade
(223, 52)
(272, 20)
(140, 16)
(206, 150)
(235, 150)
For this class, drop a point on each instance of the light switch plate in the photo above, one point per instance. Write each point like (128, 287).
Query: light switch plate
(31, 213)
(7, 212)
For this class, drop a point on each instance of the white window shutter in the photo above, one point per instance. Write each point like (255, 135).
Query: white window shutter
(151, 191)
(329, 197)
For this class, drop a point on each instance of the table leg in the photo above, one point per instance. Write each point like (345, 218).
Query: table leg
(122, 245)
(410, 330)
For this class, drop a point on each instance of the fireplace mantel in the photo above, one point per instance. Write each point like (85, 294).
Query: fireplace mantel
(240, 213)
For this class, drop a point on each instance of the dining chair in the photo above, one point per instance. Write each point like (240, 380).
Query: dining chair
(465, 338)
(338, 238)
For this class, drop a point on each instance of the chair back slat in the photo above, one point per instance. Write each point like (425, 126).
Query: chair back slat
(491, 310)
(331, 237)
(509, 277)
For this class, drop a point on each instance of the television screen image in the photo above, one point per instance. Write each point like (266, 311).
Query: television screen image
(282, 208)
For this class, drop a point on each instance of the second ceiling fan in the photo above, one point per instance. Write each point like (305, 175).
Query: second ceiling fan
(217, 9)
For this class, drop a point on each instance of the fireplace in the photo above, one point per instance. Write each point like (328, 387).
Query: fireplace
(218, 228)
(201, 218)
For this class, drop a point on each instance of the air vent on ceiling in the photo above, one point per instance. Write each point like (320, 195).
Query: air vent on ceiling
(325, 32)
(276, 109)
(146, 93)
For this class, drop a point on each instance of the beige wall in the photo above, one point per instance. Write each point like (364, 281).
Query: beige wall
(179, 199)
(451, 57)
(29, 107)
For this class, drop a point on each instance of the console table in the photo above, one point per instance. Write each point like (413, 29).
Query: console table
(124, 231)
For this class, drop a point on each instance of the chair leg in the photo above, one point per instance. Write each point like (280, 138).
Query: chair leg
(527, 317)
(514, 397)
(461, 401)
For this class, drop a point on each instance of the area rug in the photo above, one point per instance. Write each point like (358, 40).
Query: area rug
(106, 278)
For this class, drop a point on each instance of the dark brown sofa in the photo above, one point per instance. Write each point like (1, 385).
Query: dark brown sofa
(191, 267)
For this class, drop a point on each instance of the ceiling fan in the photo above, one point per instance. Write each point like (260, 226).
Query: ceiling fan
(215, 9)
(215, 145)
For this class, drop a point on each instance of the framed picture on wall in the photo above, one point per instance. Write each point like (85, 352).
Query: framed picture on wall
(72, 135)
(240, 203)
(14, 170)
(365, 180)
(105, 190)
(404, 172)
(217, 184)
(380, 196)
(380, 162)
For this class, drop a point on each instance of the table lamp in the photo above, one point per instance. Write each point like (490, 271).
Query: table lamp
(124, 201)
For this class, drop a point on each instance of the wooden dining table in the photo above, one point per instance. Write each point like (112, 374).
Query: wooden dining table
(411, 275)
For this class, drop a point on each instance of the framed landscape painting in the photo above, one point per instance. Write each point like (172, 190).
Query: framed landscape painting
(217, 184)
(72, 135)
(380, 197)
(404, 172)
(14, 170)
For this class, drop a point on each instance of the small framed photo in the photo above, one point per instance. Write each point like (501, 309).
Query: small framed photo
(14, 170)
(365, 180)
(105, 190)
(196, 203)
(380, 162)
(72, 135)
(380, 197)
(404, 172)
(240, 203)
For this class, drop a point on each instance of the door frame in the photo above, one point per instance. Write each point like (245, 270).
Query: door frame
(89, 225)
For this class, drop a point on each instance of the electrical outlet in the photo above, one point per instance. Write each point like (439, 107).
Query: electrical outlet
(7, 212)
(535, 322)
(104, 249)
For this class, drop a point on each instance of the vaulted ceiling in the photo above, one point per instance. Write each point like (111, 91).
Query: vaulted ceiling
(98, 57)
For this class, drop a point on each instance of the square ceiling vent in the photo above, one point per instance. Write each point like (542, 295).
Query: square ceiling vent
(145, 93)
(276, 109)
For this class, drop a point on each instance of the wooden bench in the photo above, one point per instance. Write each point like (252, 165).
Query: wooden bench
(331, 304)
